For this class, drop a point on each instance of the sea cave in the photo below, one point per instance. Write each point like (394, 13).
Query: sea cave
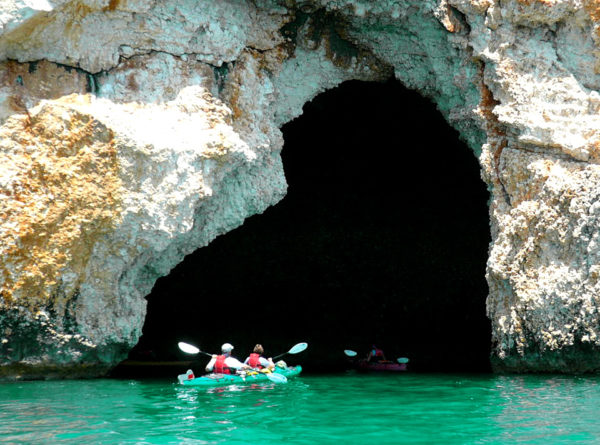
(382, 239)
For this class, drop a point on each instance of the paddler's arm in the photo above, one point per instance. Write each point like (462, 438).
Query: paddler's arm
(267, 363)
(211, 364)
(235, 363)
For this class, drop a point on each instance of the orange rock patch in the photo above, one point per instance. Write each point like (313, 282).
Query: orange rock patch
(59, 197)
(112, 5)
(543, 2)
(593, 9)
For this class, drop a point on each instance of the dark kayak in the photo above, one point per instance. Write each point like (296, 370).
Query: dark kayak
(233, 379)
(383, 365)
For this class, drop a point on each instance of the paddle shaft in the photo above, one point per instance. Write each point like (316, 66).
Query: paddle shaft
(281, 355)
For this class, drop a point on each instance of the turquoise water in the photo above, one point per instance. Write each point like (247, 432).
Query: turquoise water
(348, 408)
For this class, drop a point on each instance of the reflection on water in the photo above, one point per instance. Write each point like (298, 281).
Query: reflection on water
(559, 407)
(351, 408)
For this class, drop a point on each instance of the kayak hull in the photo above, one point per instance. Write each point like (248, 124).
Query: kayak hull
(363, 365)
(232, 379)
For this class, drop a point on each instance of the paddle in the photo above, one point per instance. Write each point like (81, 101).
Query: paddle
(293, 350)
(275, 377)
(191, 349)
(280, 378)
(351, 353)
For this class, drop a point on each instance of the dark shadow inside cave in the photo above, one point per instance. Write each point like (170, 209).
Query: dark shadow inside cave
(382, 238)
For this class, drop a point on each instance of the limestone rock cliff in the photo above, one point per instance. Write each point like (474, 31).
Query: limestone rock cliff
(134, 132)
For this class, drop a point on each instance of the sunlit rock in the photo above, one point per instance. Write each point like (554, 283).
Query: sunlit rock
(135, 132)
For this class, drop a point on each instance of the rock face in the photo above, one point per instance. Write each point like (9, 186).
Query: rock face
(135, 132)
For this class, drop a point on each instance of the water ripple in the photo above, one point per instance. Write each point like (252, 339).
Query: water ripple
(352, 408)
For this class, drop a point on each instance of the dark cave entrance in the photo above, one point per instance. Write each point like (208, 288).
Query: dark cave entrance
(382, 238)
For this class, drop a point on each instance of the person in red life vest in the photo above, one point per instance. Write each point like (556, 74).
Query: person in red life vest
(376, 355)
(256, 360)
(225, 363)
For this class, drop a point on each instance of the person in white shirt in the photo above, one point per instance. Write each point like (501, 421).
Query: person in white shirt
(225, 363)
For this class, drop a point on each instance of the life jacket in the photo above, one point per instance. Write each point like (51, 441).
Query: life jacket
(377, 353)
(220, 366)
(254, 360)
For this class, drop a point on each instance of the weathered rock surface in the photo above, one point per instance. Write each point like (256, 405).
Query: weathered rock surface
(135, 132)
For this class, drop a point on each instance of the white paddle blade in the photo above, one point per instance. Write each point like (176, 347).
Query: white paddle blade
(403, 360)
(298, 348)
(276, 378)
(187, 348)
(350, 353)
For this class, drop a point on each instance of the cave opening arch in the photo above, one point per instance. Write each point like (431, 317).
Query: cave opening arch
(382, 238)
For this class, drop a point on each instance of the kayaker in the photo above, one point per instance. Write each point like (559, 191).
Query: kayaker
(225, 363)
(256, 360)
(375, 354)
